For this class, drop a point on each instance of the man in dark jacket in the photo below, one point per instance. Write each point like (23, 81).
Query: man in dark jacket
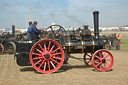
(34, 31)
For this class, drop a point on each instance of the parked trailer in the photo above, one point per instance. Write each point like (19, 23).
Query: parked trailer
(49, 53)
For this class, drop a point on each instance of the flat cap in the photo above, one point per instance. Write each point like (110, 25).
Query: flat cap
(35, 22)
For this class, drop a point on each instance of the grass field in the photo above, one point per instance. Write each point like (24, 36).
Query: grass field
(124, 44)
(124, 41)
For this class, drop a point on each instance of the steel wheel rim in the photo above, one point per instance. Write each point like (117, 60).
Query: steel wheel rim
(53, 30)
(103, 60)
(88, 59)
(1, 48)
(46, 56)
(10, 47)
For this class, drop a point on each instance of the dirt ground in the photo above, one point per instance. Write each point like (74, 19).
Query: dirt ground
(73, 73)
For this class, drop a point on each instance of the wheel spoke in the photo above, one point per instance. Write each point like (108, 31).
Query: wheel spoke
(41, 63)
(49, 65)
(89, 55)
(98, 64)
(88, 59)
(104, 65)
(37, 58)
(96, 60)
(107, 63)
(108, 60)
(56, 54)
(38, 61)
(52, 64)
(39, 51)
(97, 56)
(44, 66)
(41, 48)
(57, 58)
(54, 60)
(105, 57)
(55, 50)
(101, 66)
(100, 55)
(49, 45)
(44, 47)
(51, 48)
(104, 54)
(36, 54)
(59, 29)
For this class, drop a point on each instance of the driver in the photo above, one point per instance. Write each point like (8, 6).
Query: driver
(35, 32)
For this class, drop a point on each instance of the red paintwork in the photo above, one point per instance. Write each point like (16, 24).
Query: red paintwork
(98, 58)
(43, 64)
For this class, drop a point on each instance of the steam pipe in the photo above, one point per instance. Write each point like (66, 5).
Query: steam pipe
(96, 24)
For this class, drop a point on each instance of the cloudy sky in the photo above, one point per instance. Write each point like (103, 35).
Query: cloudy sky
(73, 13)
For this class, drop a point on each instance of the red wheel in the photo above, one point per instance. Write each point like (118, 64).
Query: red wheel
(46, 56)
(103, 60)
(1, 48)
(88, 59)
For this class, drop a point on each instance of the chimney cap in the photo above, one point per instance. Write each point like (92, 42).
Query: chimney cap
(95, 12)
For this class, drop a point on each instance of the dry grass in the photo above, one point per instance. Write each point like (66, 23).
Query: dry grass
(74, 73)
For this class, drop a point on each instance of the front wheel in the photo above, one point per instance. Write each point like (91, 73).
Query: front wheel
(46, 56)
(103, 60)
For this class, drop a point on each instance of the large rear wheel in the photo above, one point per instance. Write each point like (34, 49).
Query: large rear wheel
(46, 56)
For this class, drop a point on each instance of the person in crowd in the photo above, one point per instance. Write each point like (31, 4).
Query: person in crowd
(117, 45)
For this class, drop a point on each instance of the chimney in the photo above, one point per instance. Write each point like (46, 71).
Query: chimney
(96, 24)
(13, 29)
(85, 26)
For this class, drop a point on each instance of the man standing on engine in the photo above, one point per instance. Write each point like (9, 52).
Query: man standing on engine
(35, 32)
(29, 30)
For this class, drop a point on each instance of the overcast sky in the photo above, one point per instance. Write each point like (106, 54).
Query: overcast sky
(73, 13)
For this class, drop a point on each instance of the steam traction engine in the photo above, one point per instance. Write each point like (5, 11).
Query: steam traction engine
(7, 42)
(48, 54)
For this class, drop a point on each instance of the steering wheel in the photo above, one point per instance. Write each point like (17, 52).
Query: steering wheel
(56, 29)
